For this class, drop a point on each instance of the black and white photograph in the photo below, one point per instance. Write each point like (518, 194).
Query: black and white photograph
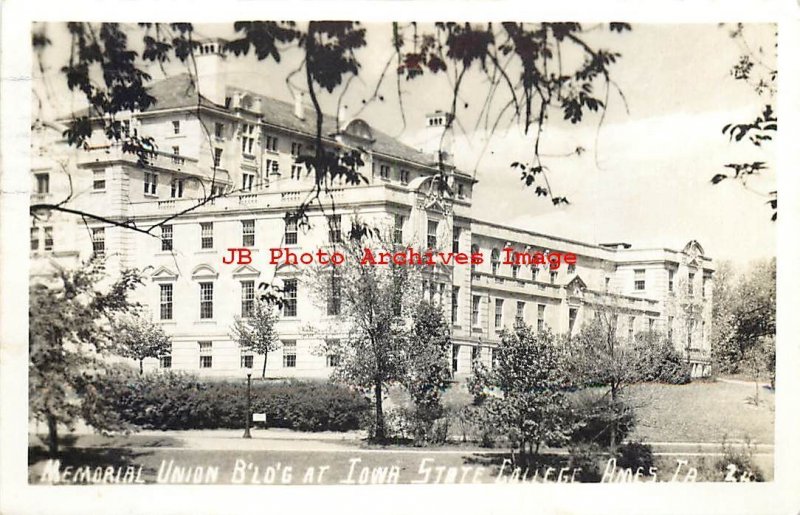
(501, 253)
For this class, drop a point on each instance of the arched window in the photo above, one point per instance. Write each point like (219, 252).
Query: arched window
(495, 261)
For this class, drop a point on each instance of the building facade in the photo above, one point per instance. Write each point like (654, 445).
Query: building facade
(242, 148)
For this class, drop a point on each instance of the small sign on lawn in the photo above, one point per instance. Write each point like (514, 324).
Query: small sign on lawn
(259, 417)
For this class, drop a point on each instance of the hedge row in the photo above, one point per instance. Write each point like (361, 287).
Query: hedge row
(179, 401)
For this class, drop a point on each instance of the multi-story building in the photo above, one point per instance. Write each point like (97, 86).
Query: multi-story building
(212, 137)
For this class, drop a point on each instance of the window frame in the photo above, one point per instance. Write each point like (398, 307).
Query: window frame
(206, 300)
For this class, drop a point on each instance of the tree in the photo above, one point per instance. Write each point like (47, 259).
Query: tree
(525, 391)
(374, 304)
(138, 338)
(427, 370)
(256, 332)
(70, 332)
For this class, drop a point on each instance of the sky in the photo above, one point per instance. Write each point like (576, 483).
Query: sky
(645, 175)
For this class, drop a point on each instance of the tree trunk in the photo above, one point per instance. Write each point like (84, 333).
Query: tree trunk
(380, 429)
(141, 366)
(52, 435)
(264, 367)
(613, 438)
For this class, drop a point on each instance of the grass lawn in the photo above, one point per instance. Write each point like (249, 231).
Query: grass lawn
(702, 411)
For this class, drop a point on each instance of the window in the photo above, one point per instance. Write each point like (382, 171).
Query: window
(217, 157)
(165, 361)
(384, 171)
(454, 304)
(176, 155)
(34, 238)
(247, 181)
(297, 172)
(476, 306)
(638, 279)
(335, 300)
(332, 360)
(432, 228)
(335, 228)
(672, 280)
(207, 235)
(475, 356)
(42, 183)
(290, 298)
(514, 271)
(166, 238)
(205, 354)
(296, 148)
(495, 261)
(206, 300)
(217, 190)
(474, 249)
(176, 190)
(248, 138)
(248, 233)
(165, 301)
(460, 191)
(219, 130)
(290, 232)
(534, 272)
(399, 220)
(631, 323)
(48, 238)
(691, 283)
(540, 317)
(248, 298)
(608, 283)
(289, 354)
(650, 323)
(573, 316)
(271, 166)
(99, 180)
(246, 360)
(150, 183)
(176, 127)
(570, 269)
(98, 241)
(404, 176)
(498, 313)
(456, 237)
(520, 316)
(553, 276)
(456, 348)
(272, 143)
(493, 357)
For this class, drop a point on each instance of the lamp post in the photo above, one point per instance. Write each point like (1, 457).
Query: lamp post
(248, 415)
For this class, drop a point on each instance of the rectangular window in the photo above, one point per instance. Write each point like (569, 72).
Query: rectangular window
(217, 157)
(207, 235)
(98, 241)
(217, 190)
(247, 181)
(456, 348)
(520, 317)
(290, 298)
(166, 238)
(297, 172)
(454, 304)
(399, 220)
(540, 317)
(475, 356)
(296, 148)
(176, 155)
(206, 300)
(271, 166)
(384, 171)
(456, 237)
(48, 238)
(553, 276)
(460, 191)
(433, 226)
(150, 183)
(335, 228)
(404, 176)
(165, 361)
(476, 307)
(219, 130)
(99, 180)
(332, 360)
(272, 143)
(246, 360)
(289, 354)
(205, 354)
(691, 283)
(290, 232)
(42, 183)
(176, 190)
(248, 138)
(514, 271)
(672, 280)
(638, 279)
(34, 238)
(176, 127)
(498, 314)
(248, 298)
(534, 272)
(573, 316)
(248, 233)
(165, 301)
(335, 300)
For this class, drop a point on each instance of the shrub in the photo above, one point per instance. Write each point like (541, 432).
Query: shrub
(633, 455)
(659, 361)
(180, 401)
(593, 416)
(736, 464)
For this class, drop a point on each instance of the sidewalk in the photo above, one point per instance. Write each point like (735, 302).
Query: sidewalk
(264, 439)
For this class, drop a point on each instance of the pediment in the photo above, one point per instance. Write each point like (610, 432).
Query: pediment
(576, 286)
(246, 271)
(164, 274)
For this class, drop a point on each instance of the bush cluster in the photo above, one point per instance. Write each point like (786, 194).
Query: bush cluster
(180, 401)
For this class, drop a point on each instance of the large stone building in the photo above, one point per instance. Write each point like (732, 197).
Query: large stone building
(213, 136)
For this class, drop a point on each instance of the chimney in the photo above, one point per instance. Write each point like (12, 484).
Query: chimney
(298, 105)
(210, 57)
